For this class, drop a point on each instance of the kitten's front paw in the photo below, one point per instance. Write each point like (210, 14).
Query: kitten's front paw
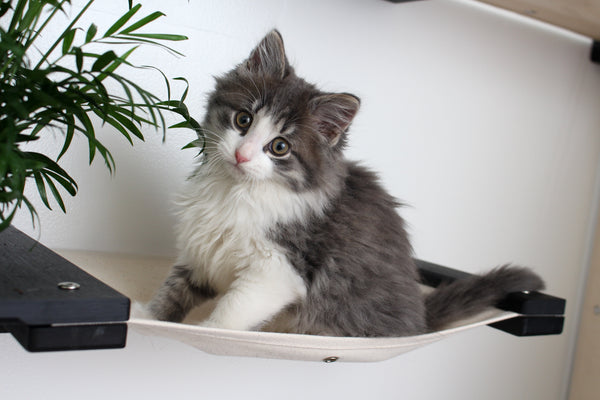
(140, 311)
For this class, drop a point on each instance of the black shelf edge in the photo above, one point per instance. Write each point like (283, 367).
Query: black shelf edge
(595, 52)
(69, 337)
(531, 325)
(34, 308)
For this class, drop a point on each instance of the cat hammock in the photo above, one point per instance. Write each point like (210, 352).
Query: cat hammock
(49, 304)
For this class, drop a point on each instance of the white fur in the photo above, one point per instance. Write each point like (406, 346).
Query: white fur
(139, 311)
(225, 215)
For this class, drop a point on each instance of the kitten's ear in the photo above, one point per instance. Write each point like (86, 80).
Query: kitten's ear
(334, 113)
(269, 56)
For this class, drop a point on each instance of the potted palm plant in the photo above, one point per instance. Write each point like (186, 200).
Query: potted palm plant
(65, 86)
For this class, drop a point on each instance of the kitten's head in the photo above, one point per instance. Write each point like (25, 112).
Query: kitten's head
(265, 123)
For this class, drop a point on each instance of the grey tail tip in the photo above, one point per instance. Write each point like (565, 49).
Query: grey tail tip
(466, 297)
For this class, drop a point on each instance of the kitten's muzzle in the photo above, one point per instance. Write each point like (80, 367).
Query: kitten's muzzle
(240, 158)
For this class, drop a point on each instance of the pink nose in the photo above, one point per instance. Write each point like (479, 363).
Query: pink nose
(240, 158)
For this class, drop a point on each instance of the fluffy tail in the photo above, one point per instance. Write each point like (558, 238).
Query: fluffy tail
(464, 298)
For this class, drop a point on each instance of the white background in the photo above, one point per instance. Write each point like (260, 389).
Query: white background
(484, 123)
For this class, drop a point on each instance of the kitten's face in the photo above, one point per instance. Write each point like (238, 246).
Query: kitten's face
(254, 143)
(265, 123)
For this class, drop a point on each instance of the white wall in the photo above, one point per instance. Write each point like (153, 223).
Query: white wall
(484, 123)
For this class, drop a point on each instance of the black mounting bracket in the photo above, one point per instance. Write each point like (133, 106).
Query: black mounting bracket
(595, 52)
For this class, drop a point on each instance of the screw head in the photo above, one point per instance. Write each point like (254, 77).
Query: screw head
(68, 285)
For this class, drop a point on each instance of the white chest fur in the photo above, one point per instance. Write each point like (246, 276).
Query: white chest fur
(223, 236)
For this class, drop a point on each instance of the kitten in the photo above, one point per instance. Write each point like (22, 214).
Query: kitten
(290, 236)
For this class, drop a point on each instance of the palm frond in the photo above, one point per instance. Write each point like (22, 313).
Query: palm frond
(54, 95)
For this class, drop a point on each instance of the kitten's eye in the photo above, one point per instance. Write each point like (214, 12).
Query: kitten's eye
(243, 120)
(279, 147)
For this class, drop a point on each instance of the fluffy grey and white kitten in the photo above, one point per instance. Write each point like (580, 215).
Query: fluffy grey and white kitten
(290, 236)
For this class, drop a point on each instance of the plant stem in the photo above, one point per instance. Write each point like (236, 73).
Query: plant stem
(37, 33)
(18, 13)
(45, 57)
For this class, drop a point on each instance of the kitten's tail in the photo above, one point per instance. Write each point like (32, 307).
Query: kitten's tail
(464, 298)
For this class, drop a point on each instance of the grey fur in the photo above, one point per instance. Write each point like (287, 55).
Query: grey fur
(357, 263)
(355, 258)
(466, 297)
(178, 295)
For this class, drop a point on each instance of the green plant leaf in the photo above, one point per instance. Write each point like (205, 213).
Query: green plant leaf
(17, 16)
(49, 165)
(190, 145)
(129, 125)
(69, 185)
(34, 33)
(123, 20)
(68, 40)
(34, 215)
(194, 144)
(78, 58)
(109, 161)
(139, 40)
(182, 124)
(39, 181)
(20, 138)
(7, 197)
(103, 61)
(6, 221)
(68, 136)
(158, 36)
(142, 22)
(67, 29)
(135, 117)
(4, 7)
(88, 131)
(170, 103)
(55, 193)
(187, 87)
(100, 90)
(91, 32)
(31, 16)
(110, 120)
(115, 64)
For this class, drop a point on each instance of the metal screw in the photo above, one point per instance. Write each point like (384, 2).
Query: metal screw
(329, 360)
(68, 285)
